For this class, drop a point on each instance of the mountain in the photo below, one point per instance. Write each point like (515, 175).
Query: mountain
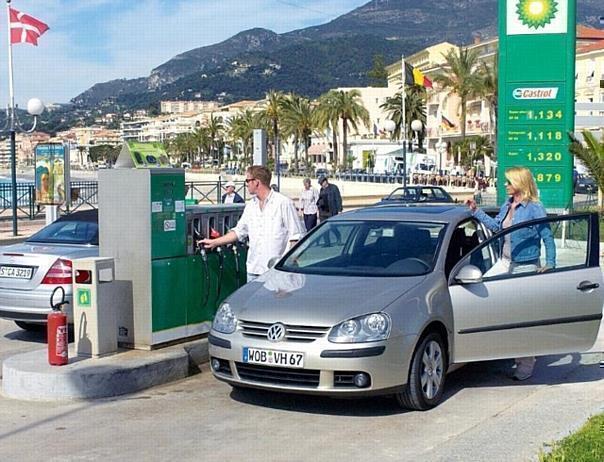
(312, 60)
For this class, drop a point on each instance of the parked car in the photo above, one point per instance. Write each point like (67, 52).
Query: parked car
(31, 270)
(319, 172)
(385, 300)
(416, 194)
(585, 185)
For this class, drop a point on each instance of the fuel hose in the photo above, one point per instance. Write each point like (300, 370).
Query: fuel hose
(204, 259)
(236, 253)
(220, 271)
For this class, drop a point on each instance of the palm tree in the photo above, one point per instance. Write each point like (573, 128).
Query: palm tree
(592, 156)
(488, 88)
(327, 117)
(459, 77)
(272, 115)
(241, 128)
(215, 129)
(349, 108)
(415, 108)
(299, 122)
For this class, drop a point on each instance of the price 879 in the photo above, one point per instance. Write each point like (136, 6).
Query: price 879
(548, 178)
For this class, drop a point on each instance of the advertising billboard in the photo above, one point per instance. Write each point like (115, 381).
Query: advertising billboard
(536, 95)
(52, 175)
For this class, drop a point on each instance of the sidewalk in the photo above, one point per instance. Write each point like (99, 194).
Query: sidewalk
(25, 228)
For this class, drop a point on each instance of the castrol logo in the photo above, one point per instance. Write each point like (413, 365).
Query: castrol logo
(535, 93)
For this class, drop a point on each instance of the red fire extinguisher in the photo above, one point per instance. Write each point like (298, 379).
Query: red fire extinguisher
(57, 331)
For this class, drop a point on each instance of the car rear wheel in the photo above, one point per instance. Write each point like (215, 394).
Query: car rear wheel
(31, 326)
(426, 381)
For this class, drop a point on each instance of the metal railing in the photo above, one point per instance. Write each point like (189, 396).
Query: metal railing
(211, 191)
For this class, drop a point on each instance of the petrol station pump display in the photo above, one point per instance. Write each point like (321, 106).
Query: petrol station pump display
(145, 226)
(536, 94)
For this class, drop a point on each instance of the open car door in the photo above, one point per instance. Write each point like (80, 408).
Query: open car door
(523, 306)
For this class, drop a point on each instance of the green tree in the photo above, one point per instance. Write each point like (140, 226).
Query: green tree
(104, 152)
(241, 130)
(271, 114)
(327, 117)
(459, 76)
(488, 88)
(215, 131)
(378, 75)
(299, 122)
(415, 109)
(592, 156)
(350, 110)
(468, 156)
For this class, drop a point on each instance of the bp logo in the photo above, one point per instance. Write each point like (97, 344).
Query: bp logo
(536, 13)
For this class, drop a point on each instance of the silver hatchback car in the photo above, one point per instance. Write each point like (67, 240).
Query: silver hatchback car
(30, 271)
(385, 300)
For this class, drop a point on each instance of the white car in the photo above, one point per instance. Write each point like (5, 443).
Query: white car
(30, 271)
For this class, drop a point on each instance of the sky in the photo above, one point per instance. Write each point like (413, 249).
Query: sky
(92, 41)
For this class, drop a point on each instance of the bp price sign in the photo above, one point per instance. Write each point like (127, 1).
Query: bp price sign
(536, 94)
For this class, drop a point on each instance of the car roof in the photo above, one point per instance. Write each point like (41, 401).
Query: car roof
(408, 212)
(91, 215)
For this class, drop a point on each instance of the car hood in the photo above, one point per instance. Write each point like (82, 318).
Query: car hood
(62, 250)
(308, 299)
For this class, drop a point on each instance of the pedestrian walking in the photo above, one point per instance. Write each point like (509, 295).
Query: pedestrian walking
(269, 221)
(521, 253)
(231, 197)
(307, 204)
(330, 200)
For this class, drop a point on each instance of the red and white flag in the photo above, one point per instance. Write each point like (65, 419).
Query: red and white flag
(25, 28)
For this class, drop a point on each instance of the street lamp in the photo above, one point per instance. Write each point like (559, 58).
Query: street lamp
(441, 147)
(472, 153)
(35, 107)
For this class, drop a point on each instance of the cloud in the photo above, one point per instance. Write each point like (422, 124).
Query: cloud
(93, 41)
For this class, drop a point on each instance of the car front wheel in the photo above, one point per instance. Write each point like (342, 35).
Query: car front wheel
(426, 381)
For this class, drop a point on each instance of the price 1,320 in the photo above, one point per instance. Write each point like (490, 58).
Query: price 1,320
(544, 156)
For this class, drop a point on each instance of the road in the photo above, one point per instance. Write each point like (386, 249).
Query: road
(485, 416)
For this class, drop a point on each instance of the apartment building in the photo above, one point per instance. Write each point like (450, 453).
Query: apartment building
(180, 107)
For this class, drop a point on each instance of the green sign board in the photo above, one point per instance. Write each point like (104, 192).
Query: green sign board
(536, 94)
(83, 297)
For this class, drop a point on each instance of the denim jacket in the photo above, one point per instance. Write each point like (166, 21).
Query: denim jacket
(525, 242)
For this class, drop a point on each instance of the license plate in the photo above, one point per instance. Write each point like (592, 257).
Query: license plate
(273, 357)
(15, 272)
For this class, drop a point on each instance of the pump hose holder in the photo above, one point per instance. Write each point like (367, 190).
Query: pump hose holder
(58, 306)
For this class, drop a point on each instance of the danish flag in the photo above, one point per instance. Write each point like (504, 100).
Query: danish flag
(25, 28)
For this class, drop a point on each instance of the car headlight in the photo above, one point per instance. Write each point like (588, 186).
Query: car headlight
(368, 328)
(225, 320)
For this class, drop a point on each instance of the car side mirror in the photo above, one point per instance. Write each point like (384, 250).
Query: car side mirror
(469, 274)
(273, 261)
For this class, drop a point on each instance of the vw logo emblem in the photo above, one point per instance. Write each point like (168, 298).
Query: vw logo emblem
(276, 332)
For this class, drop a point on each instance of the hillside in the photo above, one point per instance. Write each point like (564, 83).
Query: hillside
(308, 61)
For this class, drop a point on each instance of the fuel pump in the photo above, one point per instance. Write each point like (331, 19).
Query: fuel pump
(56, 328)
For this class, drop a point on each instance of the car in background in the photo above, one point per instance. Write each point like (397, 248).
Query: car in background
(31, 270)
(585, 185)
(418, 194)
(319, 172)
(386, 300)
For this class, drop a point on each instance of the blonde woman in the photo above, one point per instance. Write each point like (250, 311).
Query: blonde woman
(521, 250)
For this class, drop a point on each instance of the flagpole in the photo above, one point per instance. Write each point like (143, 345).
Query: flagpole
(11, 122)
(403, 116)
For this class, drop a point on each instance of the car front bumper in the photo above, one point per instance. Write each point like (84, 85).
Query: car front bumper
(31, 306)
(329, 368)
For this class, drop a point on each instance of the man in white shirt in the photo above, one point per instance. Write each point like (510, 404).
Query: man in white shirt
(231, 197)
(269, 220)
(307, 204)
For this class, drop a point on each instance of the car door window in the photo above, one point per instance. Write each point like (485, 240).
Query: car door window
(538, 246)
(463, 240)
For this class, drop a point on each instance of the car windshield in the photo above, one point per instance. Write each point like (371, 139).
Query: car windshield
(419, 194)
(68, 232)
(367, 248)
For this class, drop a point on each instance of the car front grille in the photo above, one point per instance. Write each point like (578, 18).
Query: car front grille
(308, 378)
(295, 333)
